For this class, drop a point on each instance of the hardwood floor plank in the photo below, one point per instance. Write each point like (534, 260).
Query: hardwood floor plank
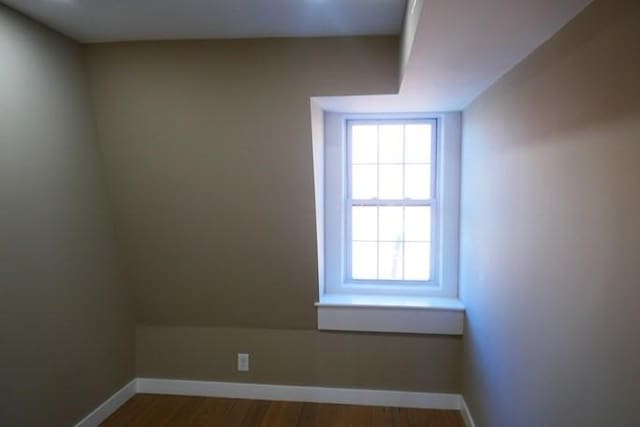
(132, 410)
(212, 412)
(255, 413)
(186, 415)
(308, 414)
(319, 414)
(426, 418)
(161, 410)
(235, 415)
(327, 414)
(381, 416)
(454, 419)
(355, 416)
(285, 414)
(400, 417)
(184, 411)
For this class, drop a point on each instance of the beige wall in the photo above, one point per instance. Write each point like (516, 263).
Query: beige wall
(208, 149)
(551, 234)
(66, 333)
(301, 357)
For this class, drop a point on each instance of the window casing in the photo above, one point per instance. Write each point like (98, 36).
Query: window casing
(441, 199)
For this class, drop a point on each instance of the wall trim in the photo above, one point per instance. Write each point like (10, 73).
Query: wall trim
(390, 319)
(292, 393)
(109, 406)
(408, 399)
(466, 414)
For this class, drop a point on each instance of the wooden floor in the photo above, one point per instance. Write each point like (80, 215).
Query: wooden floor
(161, 410)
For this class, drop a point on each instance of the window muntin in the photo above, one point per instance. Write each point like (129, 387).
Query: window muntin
(390, 193)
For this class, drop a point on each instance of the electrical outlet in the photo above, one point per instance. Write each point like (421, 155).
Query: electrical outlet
(243, 362)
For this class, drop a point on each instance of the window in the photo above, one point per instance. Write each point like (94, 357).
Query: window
(388, 229)
(390, 194)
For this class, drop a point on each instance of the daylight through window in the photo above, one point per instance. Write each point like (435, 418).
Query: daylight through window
(390, 200)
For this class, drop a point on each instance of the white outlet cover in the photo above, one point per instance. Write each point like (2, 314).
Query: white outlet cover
(243, 362)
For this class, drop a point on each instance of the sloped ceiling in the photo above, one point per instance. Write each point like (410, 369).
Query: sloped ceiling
(461, 47)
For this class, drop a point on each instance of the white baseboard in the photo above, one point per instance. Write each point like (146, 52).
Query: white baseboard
(407, 399)
(352, 396)
(109, 406)
(466, 414)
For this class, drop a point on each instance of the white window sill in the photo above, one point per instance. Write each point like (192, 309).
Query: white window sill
(371, 313)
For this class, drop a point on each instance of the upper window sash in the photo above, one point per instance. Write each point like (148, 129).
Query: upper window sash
(433, 175)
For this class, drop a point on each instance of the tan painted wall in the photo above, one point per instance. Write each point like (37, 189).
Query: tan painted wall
(551, 233)
(301, 357)
(66, 326)
(209, 152)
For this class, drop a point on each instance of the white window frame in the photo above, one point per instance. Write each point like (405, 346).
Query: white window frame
(361, 286)
(445, 210)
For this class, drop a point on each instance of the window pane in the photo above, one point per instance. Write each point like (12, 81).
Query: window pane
(391, 145)
(417, 265)
(390, 182)
(364, 144)
(417, 181)
(364, 181)
(417, 223)
(391, 223)
(364, 223)
(418, 143)
(364, 260)
(390, 261)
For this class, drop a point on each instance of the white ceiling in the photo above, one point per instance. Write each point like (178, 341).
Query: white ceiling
(461, 47)
(119, 20)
